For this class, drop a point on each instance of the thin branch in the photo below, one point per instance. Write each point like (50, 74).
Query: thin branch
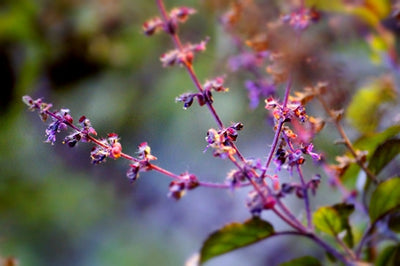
(346, 140)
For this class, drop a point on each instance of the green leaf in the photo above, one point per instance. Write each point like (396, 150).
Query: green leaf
(368, 143)
(234, 236)
(394, 222)
(390, 256)
(385, 199)
(364, 111)
(329, 6)
(334, 220)
(345, 210)
(303, 261)
(328, 220)
(384, 154)
(371, 11)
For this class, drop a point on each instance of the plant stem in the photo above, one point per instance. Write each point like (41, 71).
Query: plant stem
(278, 129)
(189, 68)
(346, 140)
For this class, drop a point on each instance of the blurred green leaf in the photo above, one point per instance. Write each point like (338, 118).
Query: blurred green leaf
(303, 261)
(370, 11)
(345, 210)
(383, 155)
(378, 45)
(385, 199)
(394, 222)
(364, 111)
(234, 236)
(331, 6)
(390, 256)
(328, 220)
(18, 22)
(334, 220)
(368, 143)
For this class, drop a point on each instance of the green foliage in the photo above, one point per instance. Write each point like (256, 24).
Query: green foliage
(383, 155)
(385, 199)
(345, 210)
(303, 261)
(334, 219)
(370, 11)
(47, 207)
(365, 111)
(234, 236)
(394, 222)
(369, 144)
(390, 256)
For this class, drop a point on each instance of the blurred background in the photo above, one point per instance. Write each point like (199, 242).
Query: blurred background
(56, 208)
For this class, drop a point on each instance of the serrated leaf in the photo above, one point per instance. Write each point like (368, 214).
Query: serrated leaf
(234, 236)
(328, 220)
(384, 154)
(390, 256)
(303, 261)
(385, 199)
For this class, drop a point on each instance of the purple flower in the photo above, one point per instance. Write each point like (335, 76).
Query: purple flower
(257, 89)
(178, 188)
(86, 128)
(247, 60)
(182, 13)
(133, 172)
(73, 139)
(301, 19)
(309, 150)
(99, 154)
(53, 129)
(183, 56)
(256, 203)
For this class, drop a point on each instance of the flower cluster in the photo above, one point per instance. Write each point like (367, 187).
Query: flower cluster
(183, 56)
(110, 148)
(286, 113)
(58, 125)
(271, 66)
(62, 120)
(257, 201)
(81, 134)
(143, 163)
(176, 15)
(301, 18)
(178, 188)
(37, 104)
(236, 177)
(290, 156)
(259, 87)
(205, 96)
(289, 188)
(220, 140)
